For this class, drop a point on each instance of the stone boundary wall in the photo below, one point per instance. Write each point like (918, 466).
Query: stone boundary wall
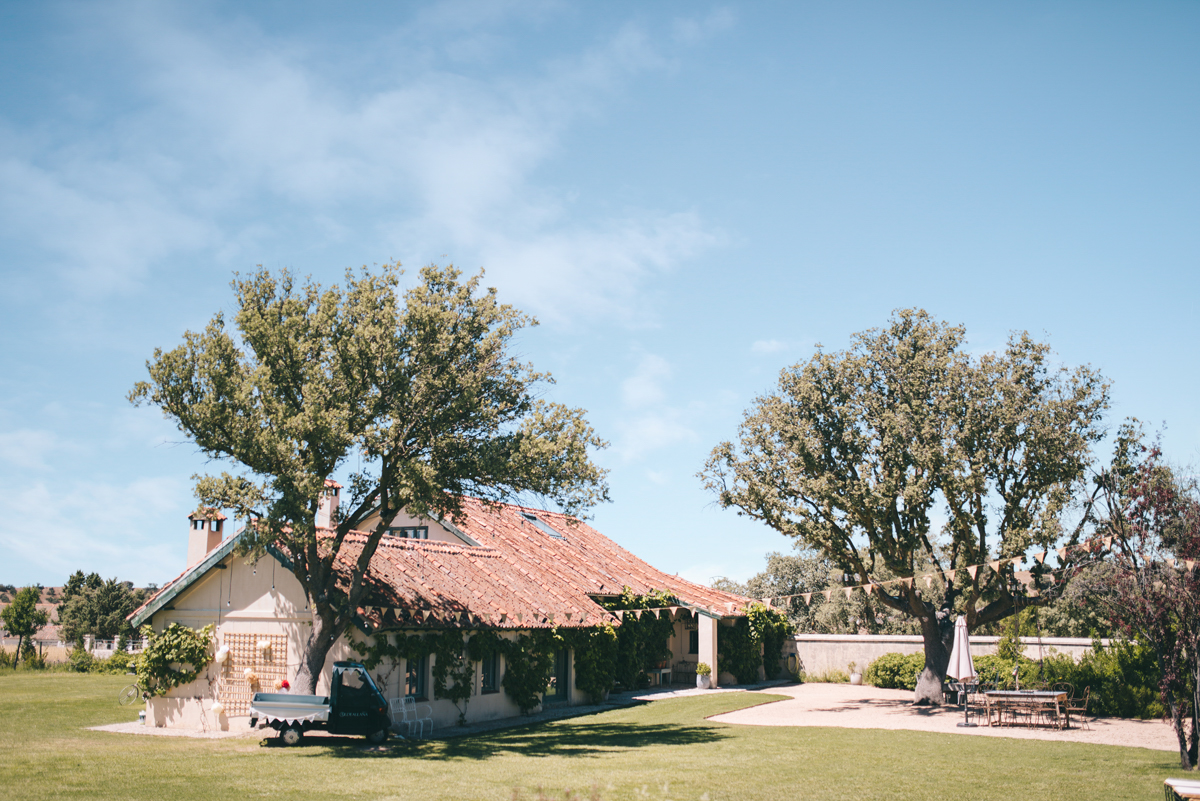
(822, 652)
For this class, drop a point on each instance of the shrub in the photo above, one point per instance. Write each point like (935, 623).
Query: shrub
(6, 660)
(119, 662)
(80, 660)
(1123, 680)
(895, 671)
(828, 677)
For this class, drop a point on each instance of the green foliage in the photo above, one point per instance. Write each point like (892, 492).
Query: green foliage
(423, 385)
(119, 662)
(834, 676)
(595, 651)
(752, 642)
(703, 669)
(740, 652)
(453, 673)
(176, 645)
(1124, 680)
(80, 660)
(771, 628)
(528, 663)
(93, 606)
(855, 450)
(895, 671)
(6, 660)
(642, 642)
(23, 618)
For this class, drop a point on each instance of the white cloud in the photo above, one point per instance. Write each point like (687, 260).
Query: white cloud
(768, 346)
(240, 138)
(95, 526)
(645, 386)
(652, 423)
(26, 449)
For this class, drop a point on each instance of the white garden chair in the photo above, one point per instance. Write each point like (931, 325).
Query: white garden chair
(407, 713)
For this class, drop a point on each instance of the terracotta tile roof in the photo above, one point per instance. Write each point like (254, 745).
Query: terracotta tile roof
(520, 572)
(518, 577)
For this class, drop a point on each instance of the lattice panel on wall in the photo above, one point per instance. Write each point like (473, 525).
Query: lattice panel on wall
(233, 689)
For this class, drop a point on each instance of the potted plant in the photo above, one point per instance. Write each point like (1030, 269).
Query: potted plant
(855, 676)
(703, 676)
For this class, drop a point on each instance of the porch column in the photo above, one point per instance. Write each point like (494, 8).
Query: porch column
(708, 642)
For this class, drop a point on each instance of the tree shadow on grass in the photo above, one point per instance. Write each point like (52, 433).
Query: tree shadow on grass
(537, 740)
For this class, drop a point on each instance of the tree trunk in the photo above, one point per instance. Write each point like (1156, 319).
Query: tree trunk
(938, 641)
(321, 639)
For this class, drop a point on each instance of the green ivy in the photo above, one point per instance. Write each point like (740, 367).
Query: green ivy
(771, 628)
(642, 642)
(751, 642)
(595, 658)
(177, 644)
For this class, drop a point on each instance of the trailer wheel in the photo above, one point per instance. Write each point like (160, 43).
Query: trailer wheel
(291, 735)
(378, 737)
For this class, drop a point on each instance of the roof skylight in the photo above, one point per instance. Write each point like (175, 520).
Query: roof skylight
(543, 525)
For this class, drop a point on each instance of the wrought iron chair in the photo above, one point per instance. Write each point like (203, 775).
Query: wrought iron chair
(1077, 707)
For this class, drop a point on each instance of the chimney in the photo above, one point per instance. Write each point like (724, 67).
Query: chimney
(204, 534)
(329, 504)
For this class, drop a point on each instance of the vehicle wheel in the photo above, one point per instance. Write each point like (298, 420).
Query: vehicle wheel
(291, 735)
(378, 738)
(129, 694)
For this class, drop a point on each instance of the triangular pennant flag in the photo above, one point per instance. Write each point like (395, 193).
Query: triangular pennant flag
(907, 581)
(620, 615)
(870, 589)
(995, 566)
(1191, 564)
(807, 598)
(929, 581)
(1062, 552)
(1108, 541)
(1170, 562)
(973, 569)
(729, 605)
(828, 595)
(1041, 557)
(520, 617)
(674, 609)
(1017, 560)
(848, 591)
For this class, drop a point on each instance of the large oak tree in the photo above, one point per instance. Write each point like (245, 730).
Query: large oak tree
(855, 453)
(420, 384)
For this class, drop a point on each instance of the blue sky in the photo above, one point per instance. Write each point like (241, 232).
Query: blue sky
(689, 196)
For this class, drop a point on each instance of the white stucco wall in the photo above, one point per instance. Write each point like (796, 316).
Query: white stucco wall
(823, 652)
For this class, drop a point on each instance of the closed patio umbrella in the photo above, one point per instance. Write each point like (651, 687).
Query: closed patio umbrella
(962, 667)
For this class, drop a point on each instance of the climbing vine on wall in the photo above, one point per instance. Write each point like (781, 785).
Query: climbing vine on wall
(595, 658)
(753, 641)
(453, 673)
(642, 641)
(771, 628)
(176, 645)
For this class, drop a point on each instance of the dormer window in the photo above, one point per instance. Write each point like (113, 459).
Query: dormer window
(410, 532)
(543, 525)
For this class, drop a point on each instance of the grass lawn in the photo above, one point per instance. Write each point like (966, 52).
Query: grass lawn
(664, 750)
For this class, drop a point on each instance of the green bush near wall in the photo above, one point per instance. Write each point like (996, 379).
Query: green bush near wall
(895, 671)
(1122, 679)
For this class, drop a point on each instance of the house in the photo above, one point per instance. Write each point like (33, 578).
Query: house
(499, 567)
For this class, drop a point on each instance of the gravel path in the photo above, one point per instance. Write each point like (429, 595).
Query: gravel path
(861, 707)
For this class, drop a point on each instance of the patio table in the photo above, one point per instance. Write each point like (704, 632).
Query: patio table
(1028, 699)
